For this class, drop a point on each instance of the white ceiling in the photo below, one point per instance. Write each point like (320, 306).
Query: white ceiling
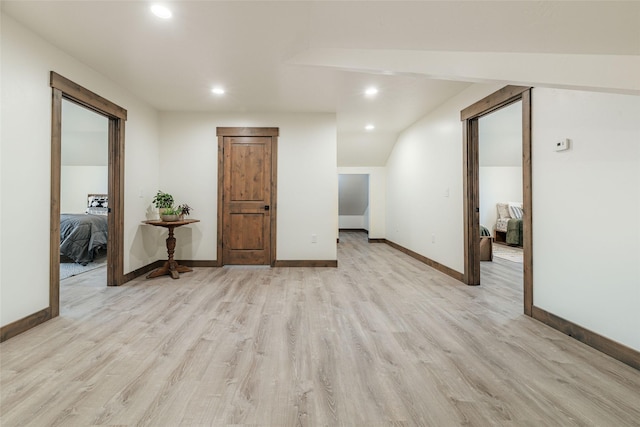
(319, 56)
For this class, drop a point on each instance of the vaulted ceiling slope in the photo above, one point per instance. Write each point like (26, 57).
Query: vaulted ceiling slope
(319, 56)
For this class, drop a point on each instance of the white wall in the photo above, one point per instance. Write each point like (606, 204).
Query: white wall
(498, 184)
(76, 182)
(586, 233)
(352, 221)
(25, 173)
(307, 180)
(365, 219)
(377, 198)
(424, 183)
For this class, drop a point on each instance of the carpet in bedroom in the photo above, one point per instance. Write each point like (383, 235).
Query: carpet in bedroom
(68, 269)
(508, 252)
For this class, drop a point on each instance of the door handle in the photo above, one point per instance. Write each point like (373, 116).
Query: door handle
(266, 207)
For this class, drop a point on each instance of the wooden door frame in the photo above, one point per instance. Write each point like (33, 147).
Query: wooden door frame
(470, 116)
(65, 88)
(221, 133)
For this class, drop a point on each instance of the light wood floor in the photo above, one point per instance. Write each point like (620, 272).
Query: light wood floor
(383, 340)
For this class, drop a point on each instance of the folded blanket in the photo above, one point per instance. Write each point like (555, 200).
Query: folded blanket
(514, 232)
(501, 224)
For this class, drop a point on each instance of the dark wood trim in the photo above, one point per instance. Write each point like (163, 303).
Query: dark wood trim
(222, 132)
(466, 182)
(116, 116)
(274, 194)
(609, 347)
(87, 98)
(431, 263)
(359, 230)
(471, 202)
(220, 199)
(54, 221)
(115, 246)
(142, 271)
(24, 324)
(306, 263)
(197, 263)
(471, 189)
(495, 101)
(377, 240)
(527, 203)
(240, 131)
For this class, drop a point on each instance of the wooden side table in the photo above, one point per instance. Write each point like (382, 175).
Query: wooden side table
(486, 248)
(170, 267)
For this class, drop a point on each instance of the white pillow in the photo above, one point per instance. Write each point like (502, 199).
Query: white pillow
(516, 211)
(503, 210)
(97, 211)
(97, 201)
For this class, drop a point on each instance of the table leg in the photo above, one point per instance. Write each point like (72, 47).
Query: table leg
(170, 267)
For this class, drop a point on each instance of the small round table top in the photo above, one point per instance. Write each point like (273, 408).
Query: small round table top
(160, 223)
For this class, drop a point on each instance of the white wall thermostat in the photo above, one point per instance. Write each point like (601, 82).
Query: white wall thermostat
(562, 145)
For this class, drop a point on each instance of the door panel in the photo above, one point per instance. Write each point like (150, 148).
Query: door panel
(247, 200)
(246, 231)
(247, 171)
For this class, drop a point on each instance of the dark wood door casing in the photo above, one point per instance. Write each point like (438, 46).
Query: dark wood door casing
(247, 195)
(65, 88)
(471, 188)
(247, 200)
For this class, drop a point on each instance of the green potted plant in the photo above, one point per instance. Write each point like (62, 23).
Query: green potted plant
(163, 201)
(185, 210)
(170, 214)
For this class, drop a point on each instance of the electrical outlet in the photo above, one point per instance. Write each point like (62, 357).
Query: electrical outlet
(562, 145)
(433, 238)
(314, 238)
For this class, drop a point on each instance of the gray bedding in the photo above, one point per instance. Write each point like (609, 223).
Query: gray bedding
(82, 236)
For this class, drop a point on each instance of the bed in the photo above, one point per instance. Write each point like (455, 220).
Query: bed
(508, 227)
(84, 235)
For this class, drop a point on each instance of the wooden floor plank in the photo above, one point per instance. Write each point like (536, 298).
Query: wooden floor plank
(382, 340)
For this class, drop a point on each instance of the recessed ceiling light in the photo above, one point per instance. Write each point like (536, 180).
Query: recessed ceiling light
(369, 127)
(218, 90)
(161, 11)
(371, 91)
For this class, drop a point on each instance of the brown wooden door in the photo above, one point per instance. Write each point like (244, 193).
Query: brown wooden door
(246, 236)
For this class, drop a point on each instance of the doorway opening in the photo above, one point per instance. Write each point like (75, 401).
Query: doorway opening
(353, 202)
(84, 189)
(472, 205)
(63, 88)
(500, 187)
